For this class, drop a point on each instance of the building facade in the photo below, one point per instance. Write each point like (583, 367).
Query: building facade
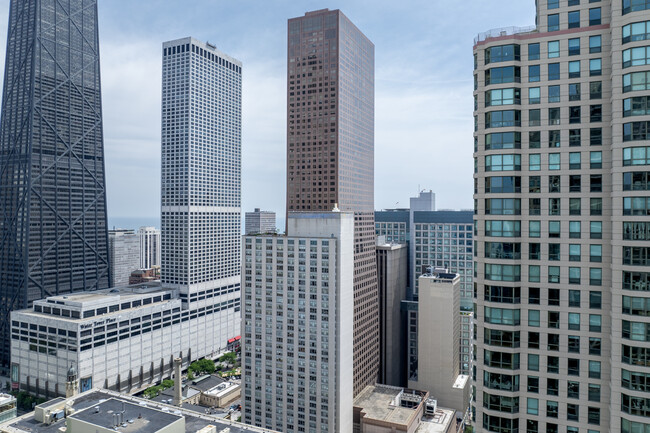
(297, 350)
(124, 254)
(201, 177)
(560, 263)
(259, 221)
(330, 150)
(53, 235)
(392, 278)
(122, 339)
(149, 247)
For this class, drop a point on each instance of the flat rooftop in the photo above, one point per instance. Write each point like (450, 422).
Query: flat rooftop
(137, 418)
(193, 421)
(440, 422)
(378, 403)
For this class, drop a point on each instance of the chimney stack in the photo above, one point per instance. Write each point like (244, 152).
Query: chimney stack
(178, 385)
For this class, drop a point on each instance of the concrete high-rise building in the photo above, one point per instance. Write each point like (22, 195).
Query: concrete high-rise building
(259, 221)
(298, 325)
(330, 151)
(425, 201)
(149, 247)
(438, 365)
(201, 180)
(392, 278)
(561, 215)
(124, 253)
(53, 232)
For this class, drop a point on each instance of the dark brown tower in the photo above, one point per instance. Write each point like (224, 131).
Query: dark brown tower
(330, 151)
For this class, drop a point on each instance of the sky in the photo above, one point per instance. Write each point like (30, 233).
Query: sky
(423, 90)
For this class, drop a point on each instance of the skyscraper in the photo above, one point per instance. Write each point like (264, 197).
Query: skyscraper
(124, 254)
(330, 151)
(201, 179)
(53, 230)
(561, 220)
(149, 247)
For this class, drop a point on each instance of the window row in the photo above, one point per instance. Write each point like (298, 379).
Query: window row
(573, 18)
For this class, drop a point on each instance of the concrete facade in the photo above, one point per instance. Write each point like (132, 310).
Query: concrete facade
(297, 353)
(124, 253)
(438, 367)
(149, 247)
(259, 222)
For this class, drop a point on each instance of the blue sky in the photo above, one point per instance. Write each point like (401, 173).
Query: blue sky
(423, 84)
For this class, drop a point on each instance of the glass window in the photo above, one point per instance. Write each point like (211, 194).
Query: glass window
(554, 229)
(498, 97)
(636, 156)
(554, 116)
(534, 96)
(595, 67)
(594, 17)
(636, 56)
(635, 5)
(594, 369)
(595, 159)
(575, 114)
(534, 229)
(575, 138)
(596, 90)
(533, 51)
(553, 49)
(503, 140)
(574, 229)
(500, 119)
(574, 92)
(636, 81)
(636, 32)
(533, 73)
(534, 139)
(533, 273)
(534, 117)
(553, 22)
(574, 19)
(595, 44)
(575, 206)
(553, 71)
(574, 46)
(574, 160)
(506, 74)
(574, 69)
(635, 131)
(595, 276)
(534, 162)
(533, 318)
(553, 4)
(533, 362)
(502, 53)
(553, 93)
(554, 161)
(532, 406)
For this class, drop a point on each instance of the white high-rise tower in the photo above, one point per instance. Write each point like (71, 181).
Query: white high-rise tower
(201, 180)
(149, 247)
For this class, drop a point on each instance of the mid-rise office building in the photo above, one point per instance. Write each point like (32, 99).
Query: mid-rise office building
(437, 368)
(392, 277)
(122, 339)
(53, 233)
(201, 178)
(561, 211)
(124, 253)
(149, 247)
(297, 350)
(259, 221)
(330, 150)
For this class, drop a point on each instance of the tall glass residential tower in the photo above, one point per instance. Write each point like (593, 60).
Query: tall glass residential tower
(53, 230)
(562, 201)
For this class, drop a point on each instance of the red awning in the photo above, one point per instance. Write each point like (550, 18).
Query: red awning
(231, 340)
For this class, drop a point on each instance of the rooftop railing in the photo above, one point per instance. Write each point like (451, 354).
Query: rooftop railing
(504, 31)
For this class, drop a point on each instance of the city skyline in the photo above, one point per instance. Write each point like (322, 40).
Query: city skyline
(406, 93)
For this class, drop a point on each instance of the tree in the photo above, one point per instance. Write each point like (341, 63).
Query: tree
(229, 358)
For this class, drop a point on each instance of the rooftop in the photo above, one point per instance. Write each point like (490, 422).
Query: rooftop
(193, 421)
(502, 32)
(442, 421)
(382, 403)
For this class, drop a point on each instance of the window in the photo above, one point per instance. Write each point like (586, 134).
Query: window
(533, 318)
(595, 159)
(574, 344)
(502, 163)
(575, 2)
(533, 73)
(594, 17)
(554, 252)
(596, 230)
(553, 4)
(595, 253)
(638, 106)
(534, 162)
(500, 119)
(533, 51)
(575, 183)
(574, 47)
(594, 369)
(554, 229)
(636, 81)
(574, 160)
(554, 184)
(636, 32)
(574, 92)
(551, 409)
(534, 251)
(574, 19)
(595, 44)
(501, 316)
(534, 96)
(595, 113)
(534, 139)
(596, 183)
(596, 90)
(574, 275)
(534, 229)
(574, 138)
(574, 206)
(636, 231)
(534, 206)
(574, 295)
(574, 229)
(553, 22)
(595, 136)
(503, 184)
(594, 346)
(554, 297)
(553, 49)
(635, 5)
(554, 161)
(553, 94)
(574, 114)
(595, 276)
(533, 299)
(636, 156)
(574, 69)
(553, 274)
(636, 56)
(502, 53)
(503, 140)
(594, 392)
(552, 387)
(595, 300)
(533, 362)
(553, 71)
(596, 206)
(554, 116)
(498, 97)
(532, 406)
(506, 74)
(502, 272)
(572, 412)
(534, 117)
(595, 322)
(595, 67)
(533, 273)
